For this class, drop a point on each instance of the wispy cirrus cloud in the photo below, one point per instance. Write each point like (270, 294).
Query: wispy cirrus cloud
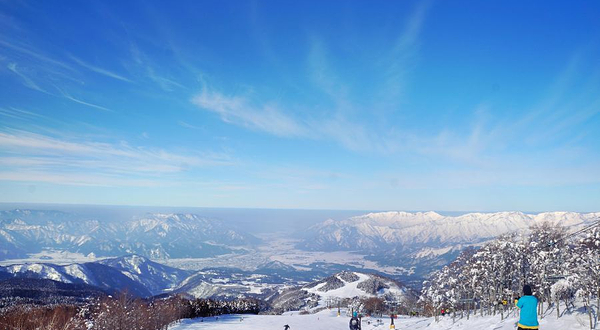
(99, 70)
(188, 125)
(27, 81)
(51, 72)
(80, 179)
(51, 157)
(273, 119)
(403, 56)
(241, 111)
(35, 54)
(95, 106)
(338, 120)
(148, 68)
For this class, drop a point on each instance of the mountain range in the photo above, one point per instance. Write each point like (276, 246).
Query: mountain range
(154, 235)
(137, 275)
(42, 283)
(425, 241)
(145, 278)
(414, 243)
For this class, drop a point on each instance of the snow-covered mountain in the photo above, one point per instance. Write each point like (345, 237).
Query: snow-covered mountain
(374, 231)
(426, 240)
(94, 274)
(138, 275)
(153, 235)
(155, 277)
(339, 287)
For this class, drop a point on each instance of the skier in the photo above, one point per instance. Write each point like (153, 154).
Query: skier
(355, 322)
(528, 306)
(286, 327)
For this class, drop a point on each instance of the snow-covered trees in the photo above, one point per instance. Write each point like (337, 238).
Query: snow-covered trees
(490, 278)
(586, 261)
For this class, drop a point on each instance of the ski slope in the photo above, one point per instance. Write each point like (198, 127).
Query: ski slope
(328, 320)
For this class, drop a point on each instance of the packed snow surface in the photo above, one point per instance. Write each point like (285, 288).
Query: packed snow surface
(328, 320)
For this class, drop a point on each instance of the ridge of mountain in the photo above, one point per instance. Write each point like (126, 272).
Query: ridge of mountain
(95, 274)
(155, 277)
(389, 229)
(424, 241)
(155, 235)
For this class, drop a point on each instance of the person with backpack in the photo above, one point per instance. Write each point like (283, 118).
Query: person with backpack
(355, 322)
(528, 306)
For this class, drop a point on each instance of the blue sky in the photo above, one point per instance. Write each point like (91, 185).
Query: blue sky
(391, 105)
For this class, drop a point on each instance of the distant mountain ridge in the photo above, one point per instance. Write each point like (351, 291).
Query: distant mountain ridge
(155, 235)
(385, 229)
(425, 240)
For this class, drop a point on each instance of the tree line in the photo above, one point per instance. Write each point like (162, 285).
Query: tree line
(121, 312)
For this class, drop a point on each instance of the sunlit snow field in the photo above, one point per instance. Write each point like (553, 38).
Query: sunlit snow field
(328, 320)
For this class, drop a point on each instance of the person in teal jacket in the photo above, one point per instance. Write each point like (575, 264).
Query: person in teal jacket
(528, 306)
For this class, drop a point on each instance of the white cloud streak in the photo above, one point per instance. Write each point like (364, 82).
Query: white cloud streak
(45, 156)
(28, 82)
(239, 110)
(99, 107)
(79, 179)
(188, 125)
(35, 54)
(95, 106)
(403, 56)
(99, 70)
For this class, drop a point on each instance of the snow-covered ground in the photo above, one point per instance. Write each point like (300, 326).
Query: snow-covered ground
(328, 320)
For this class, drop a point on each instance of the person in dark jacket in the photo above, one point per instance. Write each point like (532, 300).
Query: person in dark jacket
(355, 322)
(528, 306)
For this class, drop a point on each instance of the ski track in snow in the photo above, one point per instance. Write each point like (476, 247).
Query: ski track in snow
(328, 320)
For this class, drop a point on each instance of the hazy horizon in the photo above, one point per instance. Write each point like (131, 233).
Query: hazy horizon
(256, 220)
